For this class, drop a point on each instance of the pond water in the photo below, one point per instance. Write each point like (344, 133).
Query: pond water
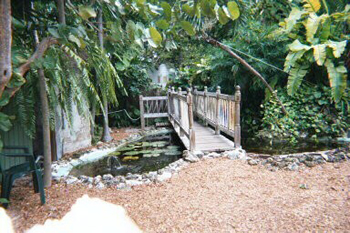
(253, 145)
(150, 153)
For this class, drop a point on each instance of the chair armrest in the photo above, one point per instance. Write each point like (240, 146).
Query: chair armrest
(25, 149)
(24, 155)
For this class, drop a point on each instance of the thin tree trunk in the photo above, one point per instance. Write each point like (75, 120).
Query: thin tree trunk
(61, 12)
(106, 136)
(249, 67)
(5, 44)
(45, 112)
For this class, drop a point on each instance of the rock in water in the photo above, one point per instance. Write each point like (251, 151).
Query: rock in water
(190, 157)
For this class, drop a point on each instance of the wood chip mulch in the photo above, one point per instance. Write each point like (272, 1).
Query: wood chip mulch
(217, 195)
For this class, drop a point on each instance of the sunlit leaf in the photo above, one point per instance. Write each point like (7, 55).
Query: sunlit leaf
(337, 79)
(233, 9)
(162, 24)
(312, 5)
(222, 17)
(187, 26)
(188, 10)
(155, 35)
(87, 12)
(167, 10)
(297, 46)
(320, 53)
(295, 78)
(338, 47)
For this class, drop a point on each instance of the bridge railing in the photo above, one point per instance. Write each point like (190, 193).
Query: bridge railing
(181, 114)
(220, 111)
(152, 107)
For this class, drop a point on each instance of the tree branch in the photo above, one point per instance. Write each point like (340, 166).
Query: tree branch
(246, 64)
(41, 49)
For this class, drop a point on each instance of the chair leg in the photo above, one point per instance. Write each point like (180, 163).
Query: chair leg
(9, 181)
(40, 186)
(4, 184)
(35, 182)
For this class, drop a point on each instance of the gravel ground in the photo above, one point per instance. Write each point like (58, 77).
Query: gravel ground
(215, 195)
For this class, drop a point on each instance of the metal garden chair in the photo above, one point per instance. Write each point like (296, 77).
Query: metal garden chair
(30, 165)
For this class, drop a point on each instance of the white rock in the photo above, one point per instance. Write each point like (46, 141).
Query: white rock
(100, 185)
(164, 176)
(71, 180)
(107, 177)
(133, 182)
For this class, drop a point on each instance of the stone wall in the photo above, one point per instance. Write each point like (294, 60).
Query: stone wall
(74, 136)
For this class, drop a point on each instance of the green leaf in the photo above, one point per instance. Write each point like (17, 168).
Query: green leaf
(222, 17)
(295, 78)
(167, 10)
(187, 26)
(75, 40)
(233, 9)
(188, 10)
(292, 19)
(156, 36)
(337, 79)
(207, 7)
(3, 200)
(130, 28)
(297, 46)
(5, 123)
(54, 32)
(320, 53)
(292, 58)
(312, 26)
(338, 47)
(87, 12)
(16, 80)
(325, 30)
(5, 98)
(162, 24)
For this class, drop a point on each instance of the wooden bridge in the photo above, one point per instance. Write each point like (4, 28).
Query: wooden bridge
(198, 117)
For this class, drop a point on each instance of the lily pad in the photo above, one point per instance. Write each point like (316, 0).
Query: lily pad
(115, 153)
(150, 155)
(132, 153)
(173, 153)
(130, 158)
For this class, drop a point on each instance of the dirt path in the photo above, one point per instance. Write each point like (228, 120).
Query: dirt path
(217, 195)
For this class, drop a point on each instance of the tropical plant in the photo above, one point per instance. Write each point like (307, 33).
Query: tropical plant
(319, 39)
(311, 115)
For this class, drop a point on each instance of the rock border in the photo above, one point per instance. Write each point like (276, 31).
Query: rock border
(290, 162)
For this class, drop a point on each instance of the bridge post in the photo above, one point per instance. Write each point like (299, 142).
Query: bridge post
(237, 117)
(205, 109)
(190, 121)
(217, 115)
(142, 112)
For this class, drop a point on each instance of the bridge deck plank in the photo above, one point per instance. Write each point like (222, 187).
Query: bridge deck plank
(207, 141)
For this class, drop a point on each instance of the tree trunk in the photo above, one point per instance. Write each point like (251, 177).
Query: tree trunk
(5, 44)
(106, 136)
(45, 112)
(249, 67)
(61, 12)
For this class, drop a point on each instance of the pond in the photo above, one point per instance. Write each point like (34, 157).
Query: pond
(150, 153)
(254, 145)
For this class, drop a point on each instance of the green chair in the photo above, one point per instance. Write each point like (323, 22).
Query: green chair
(30, 165)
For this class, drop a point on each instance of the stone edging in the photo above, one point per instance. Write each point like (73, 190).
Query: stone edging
(292, 162)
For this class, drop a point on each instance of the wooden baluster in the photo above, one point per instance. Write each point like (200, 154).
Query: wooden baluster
(205, 109)
(217, 115)
(180, 113)
(168, 101)
(237, 117)
(195, 101)
(142, 112)
(192, 134)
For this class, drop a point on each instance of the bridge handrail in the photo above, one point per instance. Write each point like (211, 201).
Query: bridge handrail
(181, 114)
(219, 110)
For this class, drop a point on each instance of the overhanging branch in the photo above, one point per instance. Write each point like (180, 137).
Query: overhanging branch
(246, 64)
